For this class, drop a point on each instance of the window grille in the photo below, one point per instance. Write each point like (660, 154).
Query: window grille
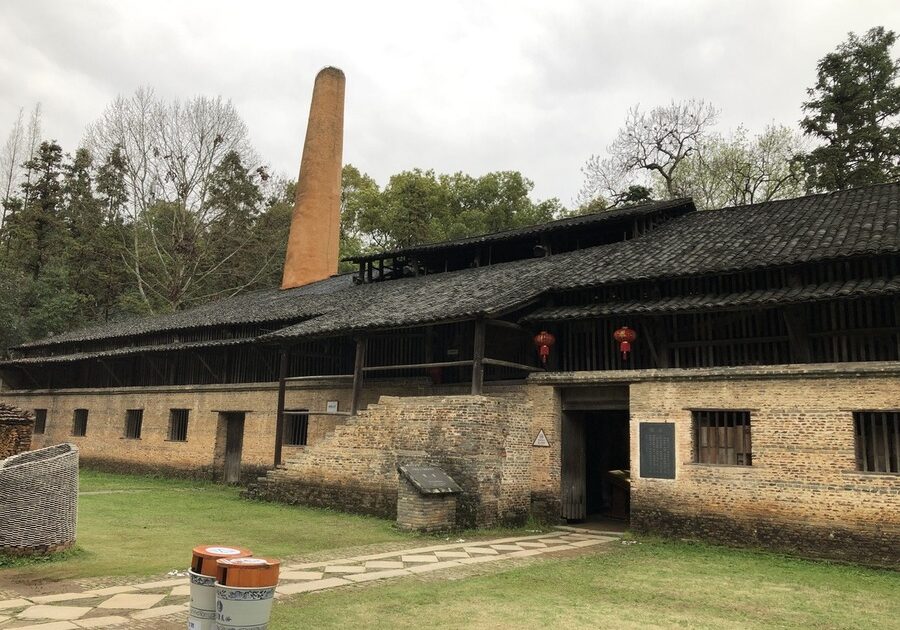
(79, 422)
(722, 437)
(877, 441)
(40, 421)
(134, 418)
(296, 426)
(178, 424)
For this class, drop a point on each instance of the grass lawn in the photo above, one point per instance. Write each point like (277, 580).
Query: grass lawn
(651, 584)
(133, 525)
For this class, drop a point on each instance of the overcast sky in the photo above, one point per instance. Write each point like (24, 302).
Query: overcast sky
(454, 86)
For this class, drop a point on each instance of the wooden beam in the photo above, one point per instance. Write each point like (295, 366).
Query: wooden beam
(502, 323)
(358, 366)
(317, 378)
(478, 357)
(512, 364)
(149, 359)
(110, 372)
(279, 414)
(206, 365)
(415, 366)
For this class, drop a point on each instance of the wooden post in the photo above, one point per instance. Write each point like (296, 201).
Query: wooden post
(279, 418)
(358, 366)
(478, 358)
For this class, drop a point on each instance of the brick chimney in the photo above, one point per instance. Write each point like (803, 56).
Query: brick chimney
(312, 250)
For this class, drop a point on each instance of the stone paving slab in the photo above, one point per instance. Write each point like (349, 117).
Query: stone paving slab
(113, 590)
(418, 558)
(152, 601)
(451, 554)
(59, 625)
(487, 551)
(131, 601)
(384, 564)
(159, 612)
(61, 597)
(304, 575)
(345, 569)
(101, 622)
(60, 613)
(378, 575)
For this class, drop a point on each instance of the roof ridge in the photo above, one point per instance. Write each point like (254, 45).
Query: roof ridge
(831, 193)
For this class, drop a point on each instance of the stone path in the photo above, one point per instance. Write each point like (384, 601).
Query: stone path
(128, 605)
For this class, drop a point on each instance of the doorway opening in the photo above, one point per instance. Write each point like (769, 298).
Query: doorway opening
(229, 445)
(596, 464)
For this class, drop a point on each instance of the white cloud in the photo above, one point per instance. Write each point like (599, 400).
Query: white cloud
(472, 86)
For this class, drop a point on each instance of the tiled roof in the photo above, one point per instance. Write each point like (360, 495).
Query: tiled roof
(266, 305)
(838, 225)
(676, 207)
(693, 303)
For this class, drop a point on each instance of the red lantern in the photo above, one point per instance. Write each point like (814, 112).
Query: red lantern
(544, 341)
(625, 336)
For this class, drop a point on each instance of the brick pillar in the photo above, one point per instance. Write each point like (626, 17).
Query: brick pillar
(312, 251)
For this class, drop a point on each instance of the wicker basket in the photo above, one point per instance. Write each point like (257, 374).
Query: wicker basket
(39, 500)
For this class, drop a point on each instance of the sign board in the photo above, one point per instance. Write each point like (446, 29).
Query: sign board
(429, 479)
(541, 439)
(331, 406)
(657, 448)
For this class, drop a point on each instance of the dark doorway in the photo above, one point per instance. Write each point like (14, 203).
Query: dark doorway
(595, 465)
(234, 443)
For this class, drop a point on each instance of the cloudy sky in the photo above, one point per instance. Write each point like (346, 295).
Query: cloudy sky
(455, 86)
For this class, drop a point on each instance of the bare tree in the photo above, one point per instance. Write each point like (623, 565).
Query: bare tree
(170, 152)
(740, 169)
(10, 162)
(32, 143)
(649, 149)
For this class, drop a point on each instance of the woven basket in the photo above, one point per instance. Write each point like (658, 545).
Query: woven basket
(39, 500)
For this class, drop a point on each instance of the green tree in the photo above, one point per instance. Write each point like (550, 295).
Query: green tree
(742, 169)
(421, 206)
(36, 233)
(359, 194)
(93, 256)
(854, 109)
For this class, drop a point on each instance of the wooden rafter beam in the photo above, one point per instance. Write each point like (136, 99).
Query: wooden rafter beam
(512, 364)
(206, 365)
(114, 376)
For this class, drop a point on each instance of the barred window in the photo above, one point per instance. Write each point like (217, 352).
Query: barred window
(134, 418)
(296, 426)
(722, 437)
(178, 424)
(877, 441)
(79, 422)
(40, 421)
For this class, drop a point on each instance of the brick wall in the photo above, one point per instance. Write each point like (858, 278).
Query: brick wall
(482, 442)
(203, 453)
(424, 512)
(16, 426)
(104, 446)
(802, 493)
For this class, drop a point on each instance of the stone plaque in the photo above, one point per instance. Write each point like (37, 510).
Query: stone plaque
(657, 443)
(429, 479)
(541, 439)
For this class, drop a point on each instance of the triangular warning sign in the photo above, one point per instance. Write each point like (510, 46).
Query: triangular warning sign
(541, 439)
